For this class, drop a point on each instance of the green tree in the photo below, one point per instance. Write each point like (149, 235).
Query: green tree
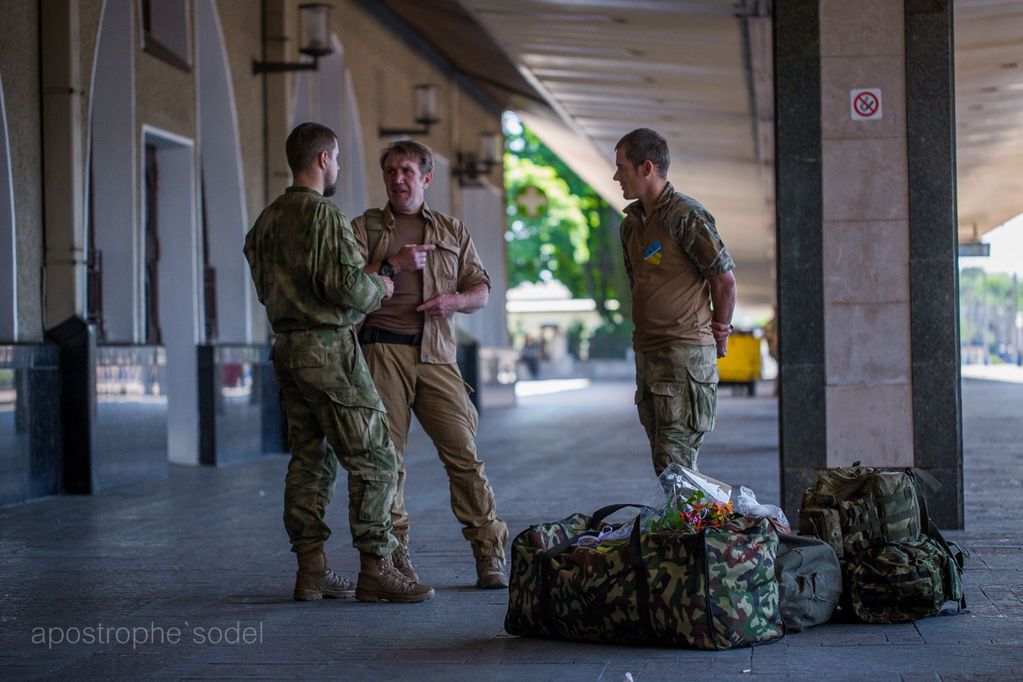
(575, 240)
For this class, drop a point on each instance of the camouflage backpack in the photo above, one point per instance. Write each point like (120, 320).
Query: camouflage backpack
(904, 581)
(897, 565)
(853, 508)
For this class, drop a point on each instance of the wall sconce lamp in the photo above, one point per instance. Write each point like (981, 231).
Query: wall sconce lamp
(314, 27)
(427, 111)
(472, 166)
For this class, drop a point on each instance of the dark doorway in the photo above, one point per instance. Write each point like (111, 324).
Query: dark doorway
(153, 335)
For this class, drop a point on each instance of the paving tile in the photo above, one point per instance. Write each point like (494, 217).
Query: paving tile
(209, 552)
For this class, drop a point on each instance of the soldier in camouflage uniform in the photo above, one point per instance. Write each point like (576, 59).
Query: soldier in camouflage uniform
(308, 273)
(678, 267)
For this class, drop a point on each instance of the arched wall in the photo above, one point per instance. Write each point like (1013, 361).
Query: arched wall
(327, 96)
(221, 162)
(112, 153)
(483, 214)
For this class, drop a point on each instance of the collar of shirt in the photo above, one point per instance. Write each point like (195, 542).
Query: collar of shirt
(636, 207)
(389, 215)
(303, 190)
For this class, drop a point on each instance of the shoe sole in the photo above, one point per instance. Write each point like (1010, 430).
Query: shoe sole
(373, 597)
(316, 596)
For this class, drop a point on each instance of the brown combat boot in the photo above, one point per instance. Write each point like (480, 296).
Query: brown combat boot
(315, 580)
(403, 560)
(379, 579)
(490, 573)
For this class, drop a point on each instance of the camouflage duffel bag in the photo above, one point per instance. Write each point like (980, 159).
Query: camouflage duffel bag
(714, 589)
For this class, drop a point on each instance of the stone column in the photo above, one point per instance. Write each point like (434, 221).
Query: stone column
(63, 167)
(934, 253)
(866, 241)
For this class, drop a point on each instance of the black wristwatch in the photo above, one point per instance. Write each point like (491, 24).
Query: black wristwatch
(386, 269)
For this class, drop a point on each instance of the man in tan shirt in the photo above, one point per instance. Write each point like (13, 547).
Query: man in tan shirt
(678, 267)
(410, 347)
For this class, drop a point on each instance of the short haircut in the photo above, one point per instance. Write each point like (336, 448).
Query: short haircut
(305, 143)
(643, 144)
(412, 149)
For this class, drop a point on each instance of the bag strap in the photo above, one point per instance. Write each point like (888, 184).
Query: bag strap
(956, 553)
(642, 582)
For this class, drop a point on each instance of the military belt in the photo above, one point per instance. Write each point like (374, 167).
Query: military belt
(316, 328)
(369, 335)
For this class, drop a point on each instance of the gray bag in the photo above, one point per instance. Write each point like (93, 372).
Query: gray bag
(809, 581)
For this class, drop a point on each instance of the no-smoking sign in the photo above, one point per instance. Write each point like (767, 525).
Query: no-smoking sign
(865, 104)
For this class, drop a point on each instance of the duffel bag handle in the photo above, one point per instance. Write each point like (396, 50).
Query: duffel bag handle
(593, 525)
(604, 512)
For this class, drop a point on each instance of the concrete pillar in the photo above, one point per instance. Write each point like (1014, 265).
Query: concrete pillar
(866, 241)
(276, 95)
(63, 169)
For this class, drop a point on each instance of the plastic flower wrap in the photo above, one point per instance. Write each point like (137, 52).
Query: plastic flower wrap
(686, 501)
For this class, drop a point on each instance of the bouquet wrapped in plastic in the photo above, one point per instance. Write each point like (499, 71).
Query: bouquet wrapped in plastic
(690, 502)
(687, 501)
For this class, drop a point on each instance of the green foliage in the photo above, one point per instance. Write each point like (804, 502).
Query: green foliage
(989, 304)
(610, 341)
(575, 241)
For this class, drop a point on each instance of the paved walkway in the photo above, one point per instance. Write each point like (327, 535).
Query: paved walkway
(200, 564)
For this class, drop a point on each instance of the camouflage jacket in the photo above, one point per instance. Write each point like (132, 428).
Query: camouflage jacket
(306, 264)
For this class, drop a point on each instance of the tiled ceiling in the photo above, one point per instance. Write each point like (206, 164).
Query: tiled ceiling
(989, 113)
(682, 68)
(699, 71)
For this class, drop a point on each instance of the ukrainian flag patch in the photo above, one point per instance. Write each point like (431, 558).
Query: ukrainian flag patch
(652, 254)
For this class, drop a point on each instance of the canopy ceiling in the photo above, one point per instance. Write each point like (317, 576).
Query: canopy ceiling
(581, 73)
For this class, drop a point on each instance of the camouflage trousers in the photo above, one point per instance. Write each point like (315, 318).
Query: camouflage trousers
(676, 395)
(334, 414)
(439, 398)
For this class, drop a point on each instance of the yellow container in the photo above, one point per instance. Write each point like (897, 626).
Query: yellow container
(741, 366)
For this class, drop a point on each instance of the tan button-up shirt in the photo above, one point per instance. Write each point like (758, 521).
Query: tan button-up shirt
(454, 266)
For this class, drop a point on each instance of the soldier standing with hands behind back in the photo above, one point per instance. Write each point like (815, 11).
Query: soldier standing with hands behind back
(308, 273)
(678, 267)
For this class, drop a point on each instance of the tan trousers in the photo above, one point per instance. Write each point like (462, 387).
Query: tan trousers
(439, 398)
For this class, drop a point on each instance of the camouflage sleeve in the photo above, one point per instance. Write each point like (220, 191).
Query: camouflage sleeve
(255, 267)
(698, 238)
(339, 276)
(470, 267)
